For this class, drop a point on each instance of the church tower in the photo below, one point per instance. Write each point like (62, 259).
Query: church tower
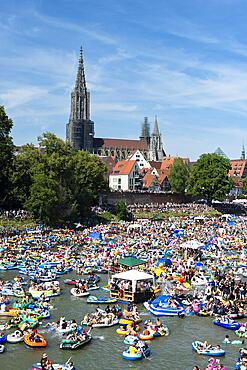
(156, 152)
(145, 132)
(243, 153)
(80, 129)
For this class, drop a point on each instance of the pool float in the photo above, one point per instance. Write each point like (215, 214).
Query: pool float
(76, 293)
(15, 337)
(146, 337)
(131, 339)
(241, 334)
(129, 321)
(96, 300)
(2, 348)
(136, 356)
(226, 324)
(3, 338)
(122, 331)
(212, 351)
(11, 312)
(102, 324)
(35, 344)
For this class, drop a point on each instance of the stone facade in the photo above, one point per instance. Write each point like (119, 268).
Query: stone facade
(80, 129)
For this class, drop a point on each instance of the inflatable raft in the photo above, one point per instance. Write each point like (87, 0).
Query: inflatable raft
(75, 345)
(212, 351)
(35, 344)
(76, 293)
(136, 356)
(96, 300)
(161, 307)
(227, 325)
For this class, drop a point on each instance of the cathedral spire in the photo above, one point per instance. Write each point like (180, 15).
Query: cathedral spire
(80, 78)
(243, 153)
(155, 128)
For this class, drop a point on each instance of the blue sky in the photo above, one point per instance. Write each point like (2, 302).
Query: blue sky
(184, 60)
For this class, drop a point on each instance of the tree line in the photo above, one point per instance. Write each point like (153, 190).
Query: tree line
(54, 182)
(208, 177)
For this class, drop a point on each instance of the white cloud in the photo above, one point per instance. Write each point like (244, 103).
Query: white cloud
(22, 95)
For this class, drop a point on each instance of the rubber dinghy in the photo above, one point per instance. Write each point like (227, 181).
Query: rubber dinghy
(96, 300)
(15, 337)
(72, 345)
(55, 367)
(161, 306)
(226, 324)
(136, 356)
(212, 351)
(77, 293)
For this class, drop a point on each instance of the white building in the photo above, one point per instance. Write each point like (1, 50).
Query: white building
(140, 159)
(125, 176)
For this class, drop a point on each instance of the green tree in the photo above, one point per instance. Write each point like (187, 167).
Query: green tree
(24, 165)
(6, 156)
(65, 183)
(209, 177)
(49, 201)
(245, 185)
(121, 210)
(179, 176)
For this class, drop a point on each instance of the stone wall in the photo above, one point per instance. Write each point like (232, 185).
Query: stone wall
(144, 198)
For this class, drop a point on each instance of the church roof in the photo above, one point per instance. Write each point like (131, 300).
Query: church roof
(220, 152)
(119, 143)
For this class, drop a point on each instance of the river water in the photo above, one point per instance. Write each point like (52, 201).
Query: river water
(105, 350)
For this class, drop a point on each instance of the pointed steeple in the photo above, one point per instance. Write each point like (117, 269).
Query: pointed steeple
(155, 128)
(145, 132)
(80, 78)
(243, 153)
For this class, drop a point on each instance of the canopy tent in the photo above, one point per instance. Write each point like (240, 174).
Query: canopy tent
(191, 244)
(131, 262)
(95, 235)
(133, 276)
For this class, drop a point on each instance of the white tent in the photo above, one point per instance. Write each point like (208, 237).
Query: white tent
(133, 276)
(191, 244)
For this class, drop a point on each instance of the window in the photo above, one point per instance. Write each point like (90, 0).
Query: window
(119, 180)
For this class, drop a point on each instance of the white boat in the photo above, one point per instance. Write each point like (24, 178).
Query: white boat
(103, 325)
(15, 337)
(77, 293)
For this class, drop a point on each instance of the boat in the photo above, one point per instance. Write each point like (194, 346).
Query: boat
(76, 293)
(161, 306)
(68, 329)
(3, 338)
(15, 337)
(241, 334)
(212, 351)
(70, 344)
(130, 339)
(35, 344)
(227, 324)
(96, 300)
(103, 325)
(37, 366)
(136, 356)
(146, 337)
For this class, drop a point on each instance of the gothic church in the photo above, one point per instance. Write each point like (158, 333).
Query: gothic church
(80, 129)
